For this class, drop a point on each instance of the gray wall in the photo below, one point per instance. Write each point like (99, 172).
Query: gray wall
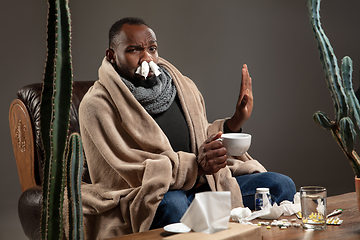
(207, 41)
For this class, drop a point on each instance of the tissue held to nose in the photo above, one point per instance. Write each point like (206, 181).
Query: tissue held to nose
(145, 67)
(155, 68)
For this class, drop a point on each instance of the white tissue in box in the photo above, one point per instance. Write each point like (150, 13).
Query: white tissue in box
(209, 212)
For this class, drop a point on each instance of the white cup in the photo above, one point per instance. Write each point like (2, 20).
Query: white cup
(236, 144)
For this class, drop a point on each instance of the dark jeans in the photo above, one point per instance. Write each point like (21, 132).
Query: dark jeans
(176, 202)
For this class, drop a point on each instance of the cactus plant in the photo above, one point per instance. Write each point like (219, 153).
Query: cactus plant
(54, 115)
(75, 161)
(346, 104)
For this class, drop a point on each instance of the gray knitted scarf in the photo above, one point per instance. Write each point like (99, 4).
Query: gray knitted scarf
(157, 97)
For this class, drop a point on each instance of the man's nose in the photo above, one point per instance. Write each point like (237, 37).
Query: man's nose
(146, 57)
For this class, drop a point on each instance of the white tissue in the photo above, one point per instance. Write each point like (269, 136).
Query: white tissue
(269, 212)
(155, 68)
(321, 207)
(240, 214)
(297, 198)
(209, 212)
(145, 67)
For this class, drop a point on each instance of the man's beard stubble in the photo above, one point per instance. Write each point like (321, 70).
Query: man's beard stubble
(149, 82)
(138, 80)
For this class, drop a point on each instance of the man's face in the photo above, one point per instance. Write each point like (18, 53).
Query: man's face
(133, 45)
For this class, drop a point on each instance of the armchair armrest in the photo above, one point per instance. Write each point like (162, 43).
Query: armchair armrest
(22, 137)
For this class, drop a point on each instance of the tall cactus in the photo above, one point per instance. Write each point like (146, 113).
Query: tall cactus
(55, 113)
(346, 104)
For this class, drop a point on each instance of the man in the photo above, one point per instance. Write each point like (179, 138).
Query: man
(148, 143)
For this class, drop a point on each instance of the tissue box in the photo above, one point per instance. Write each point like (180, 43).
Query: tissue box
(234, 231)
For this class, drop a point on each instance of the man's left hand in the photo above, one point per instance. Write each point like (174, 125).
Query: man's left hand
(244, 104)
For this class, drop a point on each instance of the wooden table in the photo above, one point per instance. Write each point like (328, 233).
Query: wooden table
(349, 229)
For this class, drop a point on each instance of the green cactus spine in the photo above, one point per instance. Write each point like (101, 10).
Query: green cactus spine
(346, 104)
(55, 112)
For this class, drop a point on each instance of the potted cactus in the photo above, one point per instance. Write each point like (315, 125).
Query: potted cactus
(63, 156)
(346, 125)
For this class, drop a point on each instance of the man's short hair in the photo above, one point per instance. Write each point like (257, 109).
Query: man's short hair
(116, 27)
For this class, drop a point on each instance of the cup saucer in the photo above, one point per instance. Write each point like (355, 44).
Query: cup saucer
(177, 228)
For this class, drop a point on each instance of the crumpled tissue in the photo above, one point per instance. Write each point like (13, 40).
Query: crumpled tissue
(269, 211)
(209, 212)
(145, 67)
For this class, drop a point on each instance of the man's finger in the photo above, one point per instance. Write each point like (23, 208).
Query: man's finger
(213, 137)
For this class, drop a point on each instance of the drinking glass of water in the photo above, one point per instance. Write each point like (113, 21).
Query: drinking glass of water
(313, 207)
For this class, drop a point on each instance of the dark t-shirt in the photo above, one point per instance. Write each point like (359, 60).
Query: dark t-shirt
(174, 125)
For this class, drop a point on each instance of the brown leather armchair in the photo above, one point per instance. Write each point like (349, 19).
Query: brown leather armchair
(24, 119)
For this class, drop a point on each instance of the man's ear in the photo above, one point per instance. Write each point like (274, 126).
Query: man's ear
(110, 55)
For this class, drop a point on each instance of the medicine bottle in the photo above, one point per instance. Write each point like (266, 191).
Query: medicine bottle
(262, 198)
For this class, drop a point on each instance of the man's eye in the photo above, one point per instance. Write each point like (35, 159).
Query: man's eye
(153, 49)
(133, 50)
